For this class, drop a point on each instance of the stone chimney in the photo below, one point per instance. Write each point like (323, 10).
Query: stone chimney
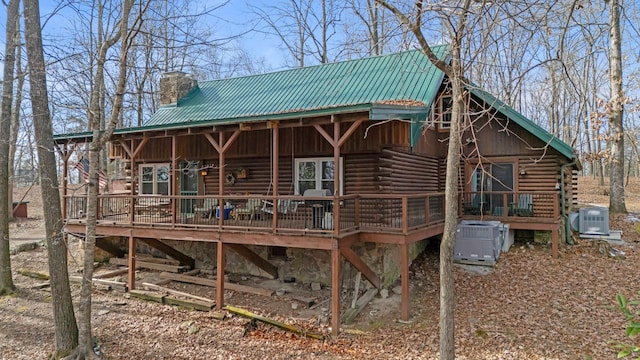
(174, 85)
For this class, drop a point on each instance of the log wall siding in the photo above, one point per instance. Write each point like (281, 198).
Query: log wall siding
(540, 174)
(359, 177)
(404, 173)
(258, 179)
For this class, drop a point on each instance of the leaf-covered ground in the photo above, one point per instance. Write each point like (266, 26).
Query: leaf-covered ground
(530, 306)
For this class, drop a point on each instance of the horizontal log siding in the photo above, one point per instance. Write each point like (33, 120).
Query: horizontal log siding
(360, 172)
(258, 177)
(398, 172)
(406, 173)
(541, 174)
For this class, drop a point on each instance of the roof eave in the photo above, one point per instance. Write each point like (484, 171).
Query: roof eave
(87, 136)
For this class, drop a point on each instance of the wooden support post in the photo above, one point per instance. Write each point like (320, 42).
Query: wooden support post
(131, 276)
(220, 276)
(335, 290)
(554, 242)
(174, 182)
(221, 179)
(404, 274)
(255, 259)
(405, 215)
(336, 176)
(275, 166)
(357, 262)
(172, 252)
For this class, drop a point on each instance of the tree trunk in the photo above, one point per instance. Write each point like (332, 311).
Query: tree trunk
(66, 331)
(15, 115)
(447, 286)
(101, 134)
(616, 127)
(6, 281)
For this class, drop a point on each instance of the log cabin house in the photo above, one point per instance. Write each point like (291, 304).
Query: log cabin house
(297, 170)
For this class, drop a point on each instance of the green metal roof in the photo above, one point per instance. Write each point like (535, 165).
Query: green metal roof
(406, 76)
(555, 143)
(401, 85)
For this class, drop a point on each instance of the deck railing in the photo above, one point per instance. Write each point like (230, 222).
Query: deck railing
(536, 205)
(326, 216)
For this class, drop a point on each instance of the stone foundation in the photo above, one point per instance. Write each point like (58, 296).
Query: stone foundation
(306, 265)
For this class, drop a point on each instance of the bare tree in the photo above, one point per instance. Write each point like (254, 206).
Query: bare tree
(66, 331)
(458, 17)
(616, 108)
(16, 112)
(304, 27)
(6, 281)
(126, 32)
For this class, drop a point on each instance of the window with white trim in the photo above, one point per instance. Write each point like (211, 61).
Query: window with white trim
(441, 112)
(316, 173)
(154, 179)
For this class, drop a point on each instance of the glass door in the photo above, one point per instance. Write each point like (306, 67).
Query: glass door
(501, 180)
(492, 178)
(188, 186)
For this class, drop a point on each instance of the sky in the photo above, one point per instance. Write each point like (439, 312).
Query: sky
(229, 19)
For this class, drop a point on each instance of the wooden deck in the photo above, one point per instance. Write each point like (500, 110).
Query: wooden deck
(328, 223)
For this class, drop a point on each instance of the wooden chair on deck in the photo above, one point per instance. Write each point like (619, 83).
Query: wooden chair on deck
(250, 210)
(474, 207)
(524, 206)
(286, 206)
(207, 208)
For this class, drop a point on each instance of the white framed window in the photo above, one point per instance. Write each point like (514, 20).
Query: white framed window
(441, 112)
(316, 173)
(154, 179)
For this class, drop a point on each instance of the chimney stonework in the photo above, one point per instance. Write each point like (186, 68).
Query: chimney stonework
(174, 85)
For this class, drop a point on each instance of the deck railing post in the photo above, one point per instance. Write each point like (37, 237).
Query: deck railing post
(336, 216)
(427, 216)
(356, 211)
(132, 209)
(174, 206)
(405, 214)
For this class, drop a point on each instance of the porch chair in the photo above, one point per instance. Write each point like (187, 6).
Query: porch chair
(286, 206)
(474, 206)
(207, 208)
(524, 206)
(251, 210)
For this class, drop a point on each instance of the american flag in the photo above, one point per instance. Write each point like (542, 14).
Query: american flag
(83, 166)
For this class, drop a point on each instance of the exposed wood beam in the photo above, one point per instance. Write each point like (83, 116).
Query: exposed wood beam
(255, 259)
(211, 234)
(324, 134)
(357, 262)
(230, 141)
(136, 152)
(273, 124)
(159, 245)
(126, 148)
(347, 134)
(107, 246)
(213, 142)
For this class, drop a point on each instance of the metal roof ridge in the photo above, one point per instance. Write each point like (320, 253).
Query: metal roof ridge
(309, 67)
